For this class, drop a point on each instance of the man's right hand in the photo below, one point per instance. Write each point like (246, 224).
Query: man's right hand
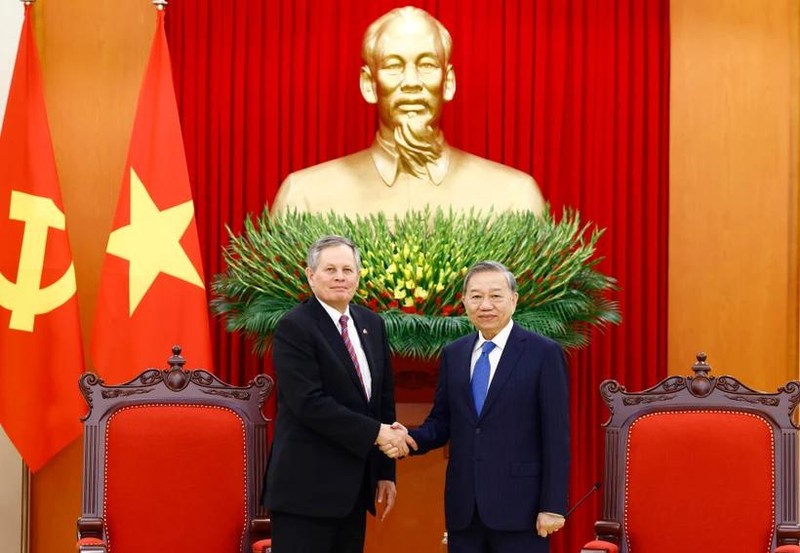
(392, 440)
(410, 442)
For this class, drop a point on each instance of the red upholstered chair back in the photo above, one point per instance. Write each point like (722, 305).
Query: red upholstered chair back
(699, 464)
(173, 461)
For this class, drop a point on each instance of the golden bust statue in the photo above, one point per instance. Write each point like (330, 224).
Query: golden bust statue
(408, 76)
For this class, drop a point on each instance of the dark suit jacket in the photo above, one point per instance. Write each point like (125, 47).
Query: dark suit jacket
(325, 428)
(513, 460)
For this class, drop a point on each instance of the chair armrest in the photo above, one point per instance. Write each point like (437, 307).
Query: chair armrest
(90, 535)
(91, 545)
(788, 536)
(260, 533)
(260, 528)
(604, 546)
(262, 546)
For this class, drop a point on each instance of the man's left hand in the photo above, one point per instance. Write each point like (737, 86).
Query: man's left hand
(547, 523)
(384, 497)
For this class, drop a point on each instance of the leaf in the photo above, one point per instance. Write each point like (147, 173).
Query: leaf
(424, 260)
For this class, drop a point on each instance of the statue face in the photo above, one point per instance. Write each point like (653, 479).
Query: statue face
(410, 75)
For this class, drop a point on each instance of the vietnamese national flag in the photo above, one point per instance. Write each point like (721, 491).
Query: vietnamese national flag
(41, 353)
(152, 294)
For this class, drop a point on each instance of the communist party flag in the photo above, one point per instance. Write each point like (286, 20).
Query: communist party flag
(152, 293)
(41, 355)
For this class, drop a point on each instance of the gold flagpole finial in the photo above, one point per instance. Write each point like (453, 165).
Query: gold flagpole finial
(27, 2)
(160, 4)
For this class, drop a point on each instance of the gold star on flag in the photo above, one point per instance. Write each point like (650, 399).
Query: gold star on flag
(151, 243)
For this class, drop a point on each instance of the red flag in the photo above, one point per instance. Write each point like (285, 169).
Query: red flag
(152, 293)
(41, 355)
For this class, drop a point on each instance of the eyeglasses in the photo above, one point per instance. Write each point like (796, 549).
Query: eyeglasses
(494, 299)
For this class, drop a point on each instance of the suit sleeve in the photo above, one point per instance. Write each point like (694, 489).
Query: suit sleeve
(435, 430)
(301, 391)
(387, 467)
(554, 402)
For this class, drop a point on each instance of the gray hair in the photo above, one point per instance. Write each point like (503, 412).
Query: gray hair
(370, 43)
(490, 266)
(330, 241)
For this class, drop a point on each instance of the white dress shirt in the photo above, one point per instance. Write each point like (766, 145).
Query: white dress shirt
(494, 355)
(355, 339)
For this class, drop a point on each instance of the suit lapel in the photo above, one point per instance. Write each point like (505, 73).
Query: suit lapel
(365, 337)
(331, 334)
(509, 360)
(462, 384)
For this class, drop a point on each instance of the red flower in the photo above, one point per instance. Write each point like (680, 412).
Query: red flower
(373, 304)
(393, 304)
(408, 309)
(447, 310)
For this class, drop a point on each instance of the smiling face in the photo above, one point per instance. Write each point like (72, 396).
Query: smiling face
(335, 278)
(411, 77)
(489, 302)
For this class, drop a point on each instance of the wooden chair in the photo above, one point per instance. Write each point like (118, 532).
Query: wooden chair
(699, 464)
(174, 461)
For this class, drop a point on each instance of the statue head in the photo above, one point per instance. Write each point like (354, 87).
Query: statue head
(407, 74)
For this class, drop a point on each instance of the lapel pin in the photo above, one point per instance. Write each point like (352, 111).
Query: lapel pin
(364, 331)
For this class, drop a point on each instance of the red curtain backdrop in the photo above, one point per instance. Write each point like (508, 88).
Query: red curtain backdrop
(574, 93)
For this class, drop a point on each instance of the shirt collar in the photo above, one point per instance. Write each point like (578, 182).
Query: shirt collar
(334, 313)
(384, 156)
(499, 341)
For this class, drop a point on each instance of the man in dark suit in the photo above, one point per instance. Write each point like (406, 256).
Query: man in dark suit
(502, 403)
(335, 404)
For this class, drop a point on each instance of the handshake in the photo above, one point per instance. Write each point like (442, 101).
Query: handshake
(394, 441)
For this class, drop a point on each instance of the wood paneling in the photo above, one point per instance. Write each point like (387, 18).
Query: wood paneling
(733, 188)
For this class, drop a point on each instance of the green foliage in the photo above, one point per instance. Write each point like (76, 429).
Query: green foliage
(412, 276)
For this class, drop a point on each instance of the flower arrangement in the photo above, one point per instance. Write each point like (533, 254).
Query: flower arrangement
(412, 273)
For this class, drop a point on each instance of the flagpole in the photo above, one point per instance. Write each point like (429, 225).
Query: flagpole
(159, 4)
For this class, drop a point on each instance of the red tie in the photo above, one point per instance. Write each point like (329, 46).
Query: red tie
(349, 345)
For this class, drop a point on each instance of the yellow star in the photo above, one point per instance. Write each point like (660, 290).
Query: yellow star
(151, 243)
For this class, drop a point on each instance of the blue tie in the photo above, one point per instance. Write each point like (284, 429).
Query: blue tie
(480, 377)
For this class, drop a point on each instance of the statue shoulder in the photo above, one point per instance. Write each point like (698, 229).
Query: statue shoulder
(480, 165)
(510, 189)
(306, 189)
(340, 167)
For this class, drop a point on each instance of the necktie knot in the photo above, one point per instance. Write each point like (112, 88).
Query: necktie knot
(487, 347)
(343, 321)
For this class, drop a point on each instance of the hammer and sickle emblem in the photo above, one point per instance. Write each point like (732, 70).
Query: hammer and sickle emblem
(25, 299)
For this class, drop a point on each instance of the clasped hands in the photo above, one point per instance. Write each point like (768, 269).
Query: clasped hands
(394, 441)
